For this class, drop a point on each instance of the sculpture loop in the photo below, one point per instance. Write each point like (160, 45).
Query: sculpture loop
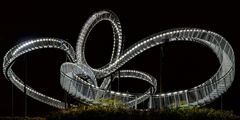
(81, 81)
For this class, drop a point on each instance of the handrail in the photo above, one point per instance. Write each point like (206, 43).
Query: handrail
(90, 93)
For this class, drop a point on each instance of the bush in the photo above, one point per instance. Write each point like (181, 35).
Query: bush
(22, 118)
(109, 113)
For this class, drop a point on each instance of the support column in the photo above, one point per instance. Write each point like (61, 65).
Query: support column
(135, 103)
(161, 69)
(66, 99)
(118, 78)
(150, 102)
(12, 101)
(25, 90)
(186, 95)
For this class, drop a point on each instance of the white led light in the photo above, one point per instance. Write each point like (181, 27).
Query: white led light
(88, 90)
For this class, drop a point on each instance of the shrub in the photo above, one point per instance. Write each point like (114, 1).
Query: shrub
(110, 113)
(22, 118)
(111, 102)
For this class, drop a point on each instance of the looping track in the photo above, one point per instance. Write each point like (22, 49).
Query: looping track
(81, 81)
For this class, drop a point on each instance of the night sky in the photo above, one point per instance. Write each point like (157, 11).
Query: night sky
(184, 64)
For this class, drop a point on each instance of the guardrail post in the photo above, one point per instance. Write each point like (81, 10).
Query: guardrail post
(196, 94)
(175, 99)
(186, 95)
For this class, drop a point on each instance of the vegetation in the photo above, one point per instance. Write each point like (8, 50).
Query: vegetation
(22, 118)
(109, 113)
(179, 104)
(111, 102)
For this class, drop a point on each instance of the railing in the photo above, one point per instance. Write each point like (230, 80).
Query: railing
(80, 80)
(29, 46)
(196, 96)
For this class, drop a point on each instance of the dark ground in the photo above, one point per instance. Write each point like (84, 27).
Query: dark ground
(185, 64)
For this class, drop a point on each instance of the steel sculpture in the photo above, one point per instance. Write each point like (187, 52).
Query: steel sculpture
(80, 80)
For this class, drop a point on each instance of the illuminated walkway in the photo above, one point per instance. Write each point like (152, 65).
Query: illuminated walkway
(81, 81)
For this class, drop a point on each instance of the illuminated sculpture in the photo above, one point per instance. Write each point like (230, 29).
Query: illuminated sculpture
(80, 80)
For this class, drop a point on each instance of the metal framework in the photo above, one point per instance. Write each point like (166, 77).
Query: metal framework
(80, 80)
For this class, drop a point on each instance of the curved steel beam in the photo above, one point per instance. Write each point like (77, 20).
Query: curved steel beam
(80, 80)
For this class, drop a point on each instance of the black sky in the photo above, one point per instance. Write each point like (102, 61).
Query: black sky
(185, 64)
